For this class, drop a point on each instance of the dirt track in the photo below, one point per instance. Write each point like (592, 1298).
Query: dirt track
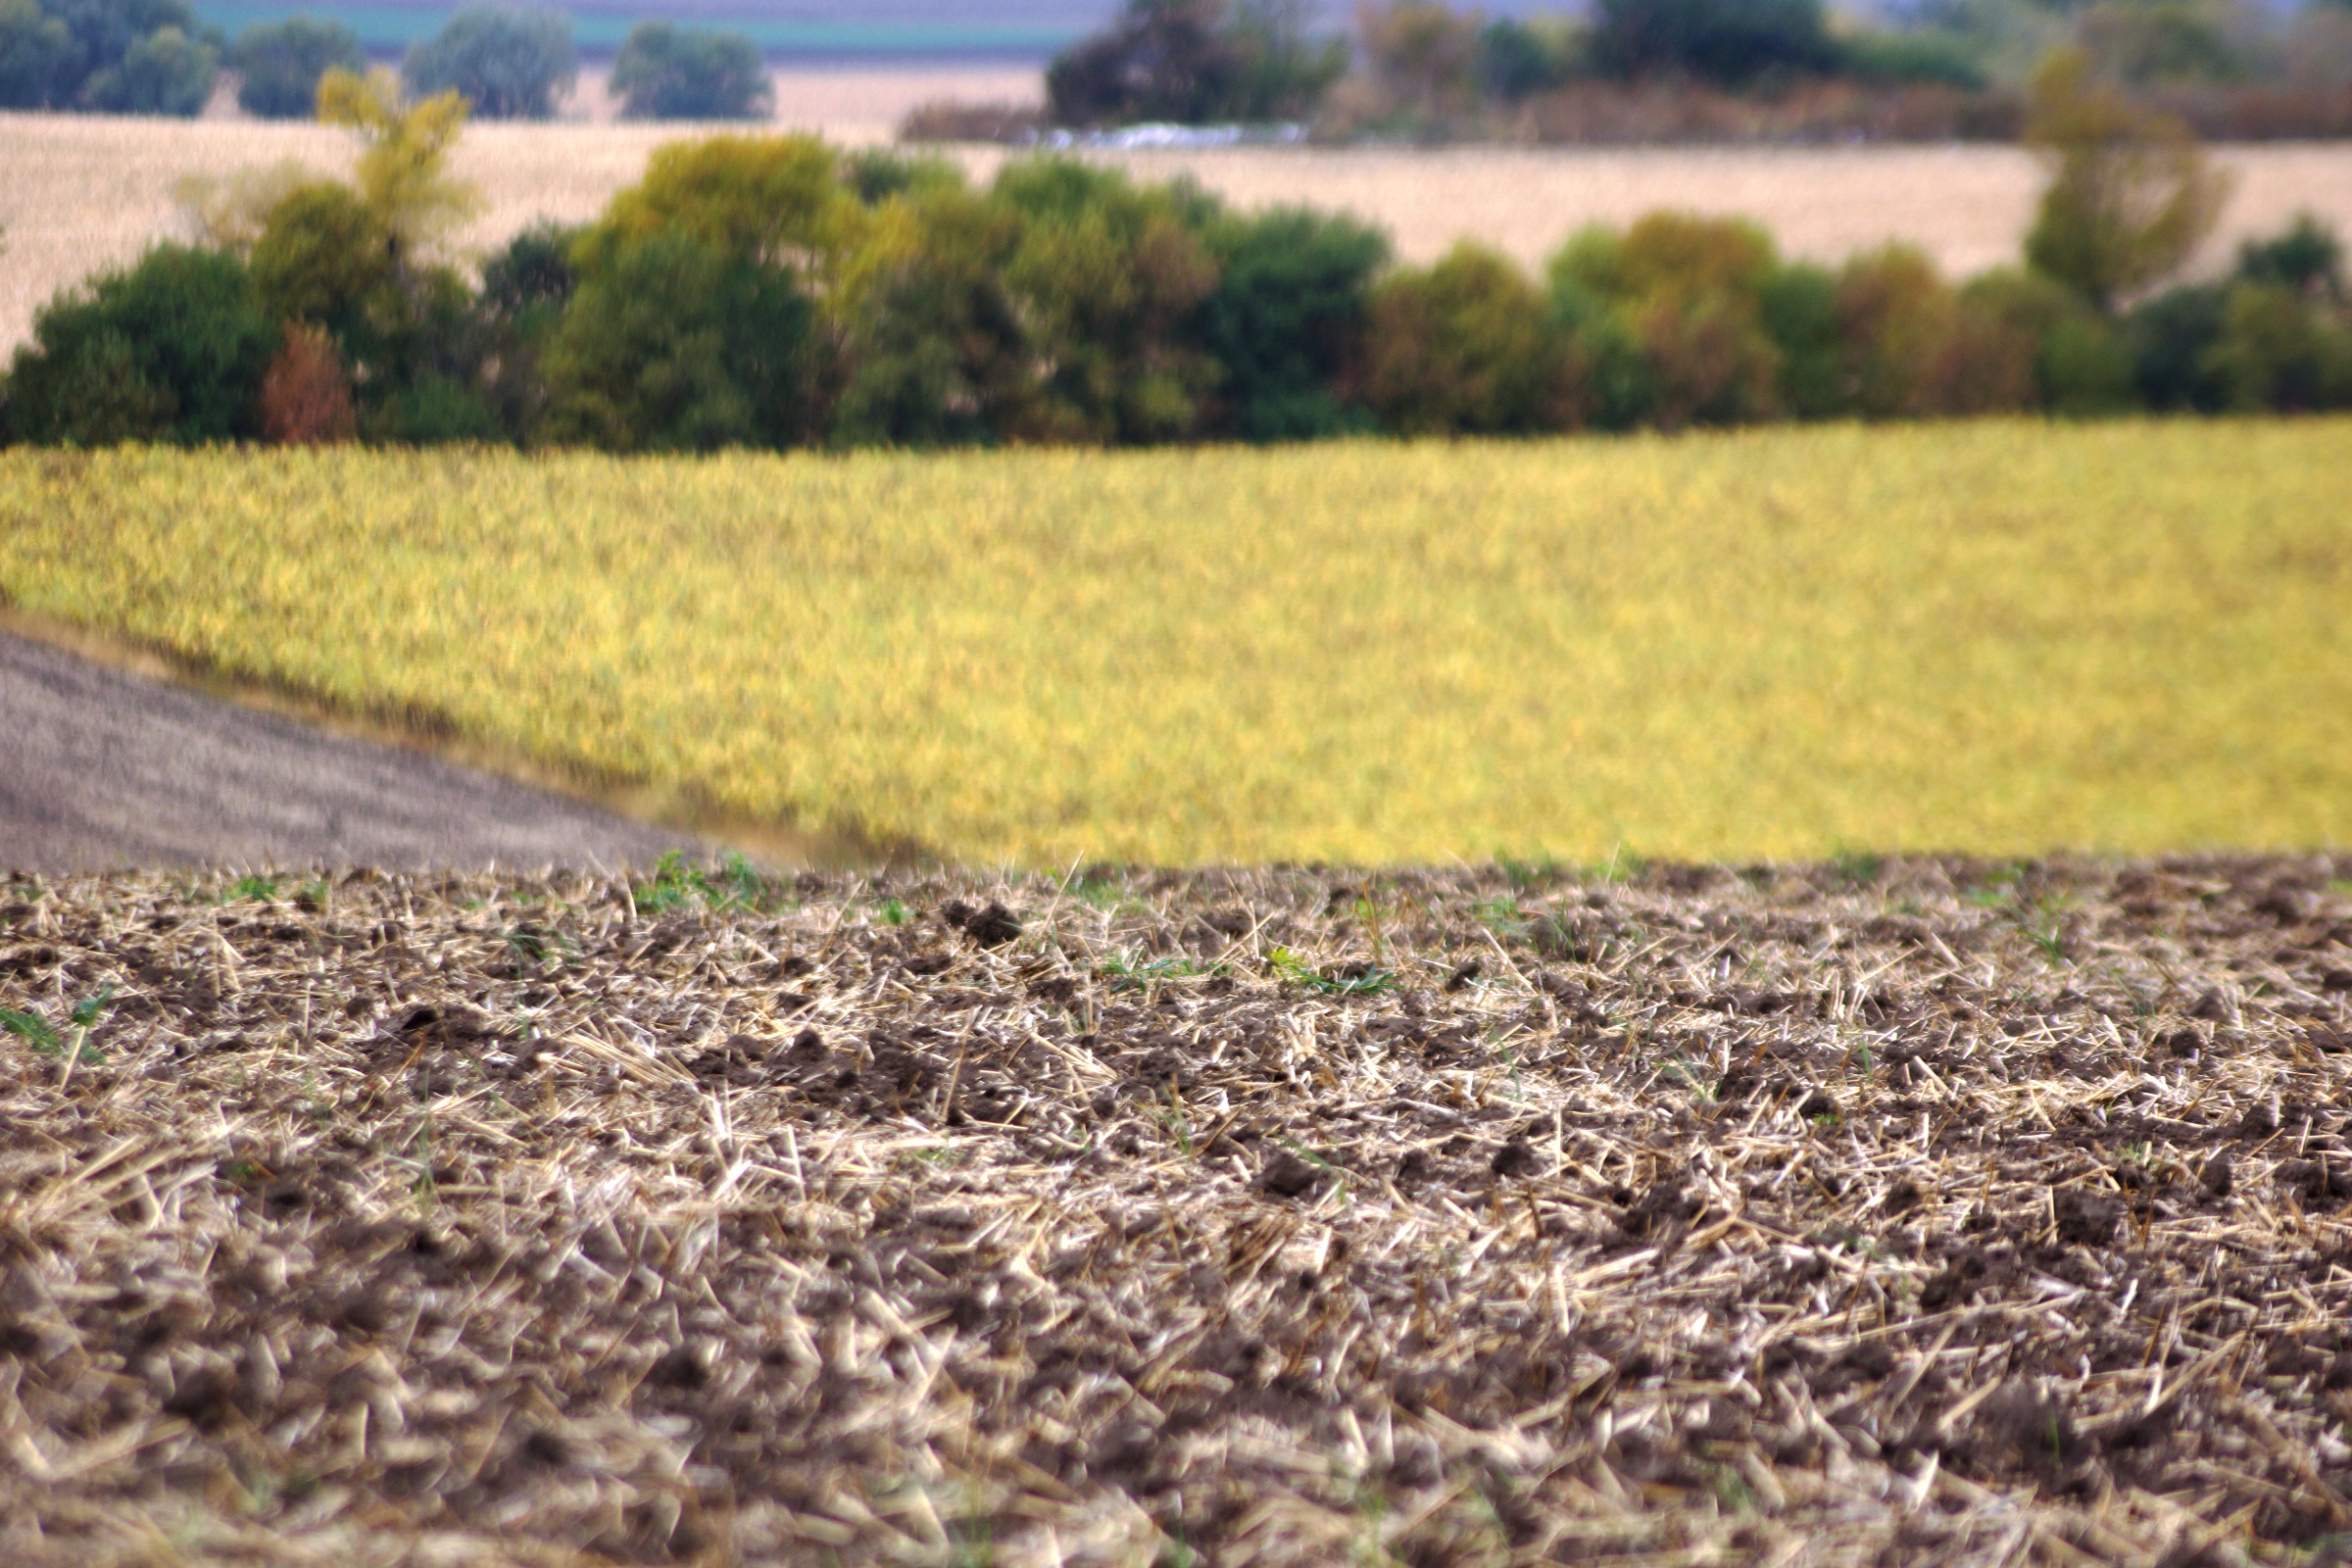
(107, 769)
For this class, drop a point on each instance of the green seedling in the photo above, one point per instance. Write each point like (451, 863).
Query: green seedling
(38, 1033)
(1857, 868)
(1294, 969)
(894, 913)
(254, 889)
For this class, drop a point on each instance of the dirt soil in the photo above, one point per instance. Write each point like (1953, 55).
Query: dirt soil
(1925, 1212)
(105, 768)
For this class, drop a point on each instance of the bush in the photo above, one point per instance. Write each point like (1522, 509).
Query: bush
(2308, 259)
(1106, 277)
(1731, 42)
(279, 64)
(1287, 319)
(2081, 364)
(306, 393)
(171, 349)
(2130, 196)
(1193, 62)
(507, 63)
(666, 72)
(1798, 309)
(1465, 346)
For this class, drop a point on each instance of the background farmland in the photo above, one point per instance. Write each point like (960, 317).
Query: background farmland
(81, 193)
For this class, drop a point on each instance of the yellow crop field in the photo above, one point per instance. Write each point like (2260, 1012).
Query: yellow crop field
(1994, 637)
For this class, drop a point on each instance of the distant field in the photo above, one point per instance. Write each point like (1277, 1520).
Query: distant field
(1994, 637)
(78, 192)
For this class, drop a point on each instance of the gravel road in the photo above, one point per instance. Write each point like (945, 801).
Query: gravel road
(101, 769)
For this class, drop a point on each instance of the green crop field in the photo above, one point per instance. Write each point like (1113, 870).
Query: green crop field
(1993, 637)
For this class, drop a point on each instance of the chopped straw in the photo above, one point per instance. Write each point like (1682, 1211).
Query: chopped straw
(1925, 1212)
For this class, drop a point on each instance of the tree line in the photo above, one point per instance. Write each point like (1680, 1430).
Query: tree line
(773, 291)
(151, 57)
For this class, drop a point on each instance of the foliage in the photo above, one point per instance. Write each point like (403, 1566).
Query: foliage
(936, 352)
(1105, 274)
(506, 62)
(281, 62)
(1287, 318)
(667, 72)
(1193, 62)
(306, 393)
(1423, 55)
(1465, 347)
(773, 200)
(170, 349)
(165, 73)
(1759, 643)
(403, 174)
(671, 343)
(2130, 194)
(1726, 41)
(322, 256)
(1688, 290)
(38, 58)
(1520, 57)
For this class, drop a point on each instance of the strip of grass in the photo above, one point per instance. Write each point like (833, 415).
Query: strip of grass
(1994, 637)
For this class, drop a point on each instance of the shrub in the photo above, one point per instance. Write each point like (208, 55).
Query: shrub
(1287, 319)
(171, 349)
(279, 64)
(671, 343)
(507, 63)
(667, 72)
(2131, 195)
(1105, 276)
(525, 289)
(306, 393)
(1466, 346)
(1896, 317)
(1726, 41)
(1423, 56)
(1193, 62)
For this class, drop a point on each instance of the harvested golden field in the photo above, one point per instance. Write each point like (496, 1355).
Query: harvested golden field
(1926, 1213)
(79, 192)
(1993, 637)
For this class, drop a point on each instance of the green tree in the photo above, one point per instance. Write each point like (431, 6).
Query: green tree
(672, 344)
(1731, 42)
(933, 341)
(1193, 62)
(165, 73)
(171, 349)
(279, 64)
(506, 63)
(40, 64)
(667, 72)
(2130, 194)
(1465, 346)
(1105, 276)
(1689, 291)
(1287, 318)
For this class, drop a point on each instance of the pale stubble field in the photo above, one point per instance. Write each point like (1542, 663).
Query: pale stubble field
(78, 192)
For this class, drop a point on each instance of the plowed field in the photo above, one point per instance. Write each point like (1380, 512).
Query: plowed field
(1921, 1212)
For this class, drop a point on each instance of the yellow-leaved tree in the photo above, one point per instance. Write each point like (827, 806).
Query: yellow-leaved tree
(2131, 195)
(402, 172)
